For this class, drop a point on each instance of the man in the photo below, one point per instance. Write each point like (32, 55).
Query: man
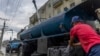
(97, 11)
(89, 39)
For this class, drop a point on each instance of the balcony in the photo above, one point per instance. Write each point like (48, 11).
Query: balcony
(57, 3)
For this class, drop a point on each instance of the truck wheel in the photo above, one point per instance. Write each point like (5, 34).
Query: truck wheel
(26, 54)
(20, 52)
(7, 51)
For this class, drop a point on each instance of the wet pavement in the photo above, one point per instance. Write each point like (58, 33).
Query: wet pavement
(3, 50)
(7, 54)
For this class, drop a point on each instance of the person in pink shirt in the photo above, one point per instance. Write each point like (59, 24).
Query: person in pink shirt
(87, 36)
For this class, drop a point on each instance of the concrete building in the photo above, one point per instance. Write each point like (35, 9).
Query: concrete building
(52, 8)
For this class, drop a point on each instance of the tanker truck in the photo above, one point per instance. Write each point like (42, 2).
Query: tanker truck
(54, 32)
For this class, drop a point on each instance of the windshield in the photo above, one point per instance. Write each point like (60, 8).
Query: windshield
(15, 41)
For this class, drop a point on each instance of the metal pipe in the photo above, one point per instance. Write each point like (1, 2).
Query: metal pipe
(12, 34)
(37, 12)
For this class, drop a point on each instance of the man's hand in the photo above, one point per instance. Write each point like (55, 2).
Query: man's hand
(74, 44)
(77, 44)
(70, 43)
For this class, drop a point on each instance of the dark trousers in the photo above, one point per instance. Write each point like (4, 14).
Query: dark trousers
(78, 51)
(95, 51)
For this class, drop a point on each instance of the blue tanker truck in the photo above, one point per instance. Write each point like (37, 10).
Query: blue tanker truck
(54, 32)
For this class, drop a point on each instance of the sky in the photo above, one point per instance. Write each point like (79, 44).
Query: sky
(17, 12)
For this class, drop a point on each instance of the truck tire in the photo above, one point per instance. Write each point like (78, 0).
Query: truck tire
(23, 51)
(26, 54)
(20, 51)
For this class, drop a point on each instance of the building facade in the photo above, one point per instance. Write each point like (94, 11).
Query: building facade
(52, 8)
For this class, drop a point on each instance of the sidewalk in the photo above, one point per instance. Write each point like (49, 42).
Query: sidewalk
(1, 54)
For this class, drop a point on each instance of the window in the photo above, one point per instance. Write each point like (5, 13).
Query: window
(58, 11)
(42, 11)
(49, 5)
(43, 19)
(65, 9)
(83, 0)
(72, 5)
(49, 16)
(57, 3)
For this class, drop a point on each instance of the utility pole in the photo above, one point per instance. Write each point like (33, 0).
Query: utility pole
(2, 32)
(11, 35)
(37, 12)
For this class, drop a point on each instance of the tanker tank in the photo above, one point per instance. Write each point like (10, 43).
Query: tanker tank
(52, 25)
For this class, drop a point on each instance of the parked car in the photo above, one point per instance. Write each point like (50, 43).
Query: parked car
(13, 46)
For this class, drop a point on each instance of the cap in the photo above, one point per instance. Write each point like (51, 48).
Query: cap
(76, 19)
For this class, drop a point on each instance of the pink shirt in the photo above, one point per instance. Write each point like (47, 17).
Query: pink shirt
(86, 35)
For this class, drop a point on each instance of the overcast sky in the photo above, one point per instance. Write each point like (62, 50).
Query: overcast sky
(18, 11)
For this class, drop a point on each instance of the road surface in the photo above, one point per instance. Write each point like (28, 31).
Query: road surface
(3, 51)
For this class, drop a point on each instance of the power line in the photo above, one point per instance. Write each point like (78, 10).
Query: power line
(1, 4)
(6, 10)
(18, 5)
(7, 6)
(14, 3)
(15, 6)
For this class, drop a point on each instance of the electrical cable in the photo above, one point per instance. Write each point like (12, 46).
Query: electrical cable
(18, 5)
(7, 6)
(14, 3)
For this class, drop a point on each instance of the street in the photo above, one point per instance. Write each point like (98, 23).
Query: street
(3, 51)
(14, 54)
